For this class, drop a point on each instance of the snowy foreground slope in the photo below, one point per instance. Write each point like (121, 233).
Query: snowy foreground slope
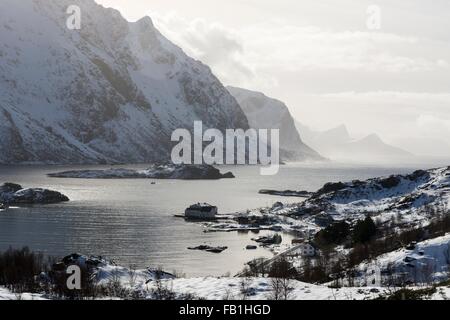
(229, 289)
(267, 113)
(5, 294)
(428, 261)
(261, 289)
(147, 283)
(143, 284)
(111, 92)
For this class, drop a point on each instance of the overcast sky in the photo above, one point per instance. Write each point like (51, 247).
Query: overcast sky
(322, 59)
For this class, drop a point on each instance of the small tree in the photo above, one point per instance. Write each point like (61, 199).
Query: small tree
(364, 230)
(281, 289)
(334, 234)
(281, 274)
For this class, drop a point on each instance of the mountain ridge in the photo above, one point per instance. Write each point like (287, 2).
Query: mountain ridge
(264, 112)
(337, 143)
(110, 92)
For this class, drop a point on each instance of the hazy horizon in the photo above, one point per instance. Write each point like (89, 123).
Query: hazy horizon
(324, 62)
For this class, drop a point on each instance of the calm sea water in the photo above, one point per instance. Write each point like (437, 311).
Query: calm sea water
(132, 221)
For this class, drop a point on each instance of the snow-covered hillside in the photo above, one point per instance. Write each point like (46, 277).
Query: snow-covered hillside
(403, 199)
(428, 261)
(267, 113)
(395, 202)
(110, 92)
(338, 144)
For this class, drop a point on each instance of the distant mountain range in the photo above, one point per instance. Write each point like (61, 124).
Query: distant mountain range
(337, 144)
(267, 113)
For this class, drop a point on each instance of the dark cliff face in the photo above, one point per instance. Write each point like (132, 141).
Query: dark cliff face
(267, 113)
(111, 92)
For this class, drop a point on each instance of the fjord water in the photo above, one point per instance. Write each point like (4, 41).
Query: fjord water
(133, 223)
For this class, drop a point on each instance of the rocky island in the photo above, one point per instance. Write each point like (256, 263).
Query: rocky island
(162, 171)
(14, 194)
(286, 193)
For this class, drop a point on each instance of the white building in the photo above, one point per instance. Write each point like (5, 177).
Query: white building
(201, 211)
(305, 249)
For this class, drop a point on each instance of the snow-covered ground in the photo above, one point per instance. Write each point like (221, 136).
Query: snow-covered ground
(442, 293)
(428, 261)
(145, 282)
(261, 289)
(5, 294)
(231, 289)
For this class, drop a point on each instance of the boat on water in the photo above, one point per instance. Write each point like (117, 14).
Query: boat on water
(201, 211)
(209, 249)
(275, 239)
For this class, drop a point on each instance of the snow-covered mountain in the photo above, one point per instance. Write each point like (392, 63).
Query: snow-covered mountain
(337, 143)
(268, 113)
(112, 91)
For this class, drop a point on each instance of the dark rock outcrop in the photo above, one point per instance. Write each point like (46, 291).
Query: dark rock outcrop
(11, 193)
(287, 193)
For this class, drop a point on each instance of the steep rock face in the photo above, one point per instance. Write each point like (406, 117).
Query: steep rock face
(112, 91)
(267, 113)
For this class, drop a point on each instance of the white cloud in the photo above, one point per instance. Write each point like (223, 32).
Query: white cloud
(220, 48)
(431, 125)
(257, 55)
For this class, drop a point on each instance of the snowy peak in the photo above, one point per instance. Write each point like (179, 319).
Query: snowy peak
(267, 113)
(112, 91)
